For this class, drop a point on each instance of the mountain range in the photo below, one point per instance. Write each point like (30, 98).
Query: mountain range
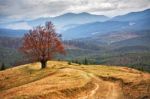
(130, 22)
(63, 21)
(82, 25)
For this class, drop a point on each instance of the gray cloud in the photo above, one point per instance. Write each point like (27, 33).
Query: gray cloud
(30, 9)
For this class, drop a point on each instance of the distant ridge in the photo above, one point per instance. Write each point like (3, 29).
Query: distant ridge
(133, 16)
(129, 22)
(12, 33)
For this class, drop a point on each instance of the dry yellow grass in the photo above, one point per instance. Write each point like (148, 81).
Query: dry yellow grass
(62, 81)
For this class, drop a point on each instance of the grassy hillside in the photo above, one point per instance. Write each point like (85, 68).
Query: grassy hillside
(63, 81)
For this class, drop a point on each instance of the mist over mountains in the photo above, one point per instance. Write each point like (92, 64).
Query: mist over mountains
(74, 26)
(62, 21)
(129, 22)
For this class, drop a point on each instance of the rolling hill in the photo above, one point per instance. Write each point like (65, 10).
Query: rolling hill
(62, 81)
(107, 27)
(11, 33)
(90, 29)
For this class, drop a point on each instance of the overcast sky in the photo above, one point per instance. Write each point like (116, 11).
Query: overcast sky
(31, 9)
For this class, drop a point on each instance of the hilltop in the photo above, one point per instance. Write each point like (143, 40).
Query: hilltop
(63, 81)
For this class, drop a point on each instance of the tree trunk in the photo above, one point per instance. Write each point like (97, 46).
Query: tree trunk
(43, 63)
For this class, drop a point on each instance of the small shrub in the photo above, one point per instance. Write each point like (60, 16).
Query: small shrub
(69, 62)
(85, 61)
(3, 66)
(79, 63)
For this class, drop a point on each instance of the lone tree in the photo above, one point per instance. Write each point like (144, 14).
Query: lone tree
(42, 43)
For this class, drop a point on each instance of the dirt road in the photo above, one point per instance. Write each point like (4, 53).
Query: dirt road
(113, 89)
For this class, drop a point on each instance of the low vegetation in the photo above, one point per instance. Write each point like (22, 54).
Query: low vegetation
(69, 80)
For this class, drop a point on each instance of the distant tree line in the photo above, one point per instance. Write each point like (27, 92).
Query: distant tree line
(10, 42)
(81, 44)
(84, 62)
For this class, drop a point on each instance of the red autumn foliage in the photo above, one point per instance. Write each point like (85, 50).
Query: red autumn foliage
(42, 43)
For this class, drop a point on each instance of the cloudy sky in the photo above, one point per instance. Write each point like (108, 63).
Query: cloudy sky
(31, 9)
